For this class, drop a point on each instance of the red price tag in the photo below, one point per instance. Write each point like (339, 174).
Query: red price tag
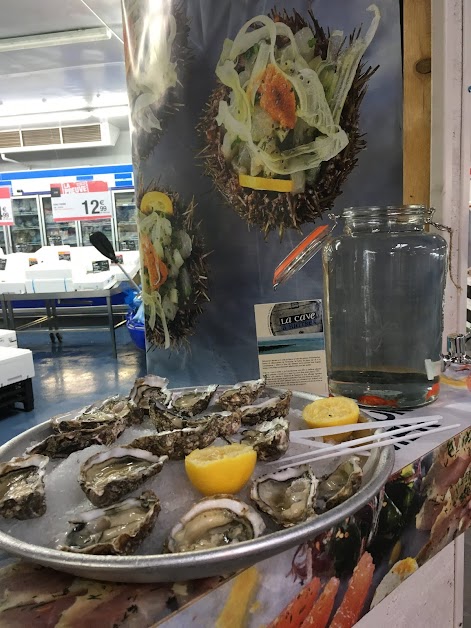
(80, 200)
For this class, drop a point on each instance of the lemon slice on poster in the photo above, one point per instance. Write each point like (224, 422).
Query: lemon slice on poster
(156, 202)
(224, 469)
(262, 183)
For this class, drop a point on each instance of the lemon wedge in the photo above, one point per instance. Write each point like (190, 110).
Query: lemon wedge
(224, 469)
(262, 183)
(156, 202)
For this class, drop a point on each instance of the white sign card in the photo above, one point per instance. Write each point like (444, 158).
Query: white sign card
(291, 346)
(6, 213)
(80, 200)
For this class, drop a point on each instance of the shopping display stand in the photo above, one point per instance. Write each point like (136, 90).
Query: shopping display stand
(52, 315)
(16, 373)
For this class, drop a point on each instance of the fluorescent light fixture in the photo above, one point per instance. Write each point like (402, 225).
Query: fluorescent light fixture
(44, 118)
(63, 38)
(111, 112)
(33, 106)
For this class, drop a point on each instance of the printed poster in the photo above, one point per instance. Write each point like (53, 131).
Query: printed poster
(291, 347)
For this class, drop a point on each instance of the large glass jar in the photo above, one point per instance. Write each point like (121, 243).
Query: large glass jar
(384, 280)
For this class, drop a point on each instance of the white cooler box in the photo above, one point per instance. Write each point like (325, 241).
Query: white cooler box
(8, 338)
(15, 365)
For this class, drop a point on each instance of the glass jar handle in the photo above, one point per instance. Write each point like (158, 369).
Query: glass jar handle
(449, 230)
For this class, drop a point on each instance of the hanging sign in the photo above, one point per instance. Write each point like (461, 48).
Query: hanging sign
(6, 214)
(80, 200)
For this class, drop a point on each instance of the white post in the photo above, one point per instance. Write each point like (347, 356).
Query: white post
(451, 143)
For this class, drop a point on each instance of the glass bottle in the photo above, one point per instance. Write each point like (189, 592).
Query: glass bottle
(384, 281)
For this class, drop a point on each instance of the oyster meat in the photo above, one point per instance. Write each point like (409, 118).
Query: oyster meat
(176, 444)
(267, 410)
(22, 493)
(339, 485)
(62, 444)
(119, 529)
(144, 389)
(241, 394)
(109, 475)
(269, 439)
(215, 522)
(287, 495)
(191, 403)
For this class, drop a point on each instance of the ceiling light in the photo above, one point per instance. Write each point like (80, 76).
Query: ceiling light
(44, 118)
(32, 106)
(81, 36)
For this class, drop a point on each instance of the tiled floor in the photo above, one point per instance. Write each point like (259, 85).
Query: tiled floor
(82, 370)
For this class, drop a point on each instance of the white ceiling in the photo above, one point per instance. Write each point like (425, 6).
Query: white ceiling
(90, 71)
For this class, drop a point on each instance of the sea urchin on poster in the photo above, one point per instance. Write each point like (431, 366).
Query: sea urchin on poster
(250, 122)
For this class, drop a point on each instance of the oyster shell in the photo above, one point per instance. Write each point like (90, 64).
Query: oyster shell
(241, 394)
(176, 444)
(22, 487)
(286, 495)
(267, 410)
(215, 522)
(144, 389)
(62, 444)
(270, 439)
(92, 416)
(225, 423)
(109, 475)
(341, 484)
(119, 529)
(191, 403)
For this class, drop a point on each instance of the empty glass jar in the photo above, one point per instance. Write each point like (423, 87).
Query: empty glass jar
(384, 280)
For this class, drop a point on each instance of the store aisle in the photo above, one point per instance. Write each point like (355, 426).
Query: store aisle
(73, 374)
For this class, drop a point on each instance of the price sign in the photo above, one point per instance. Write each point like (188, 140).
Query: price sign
(80, 200)
(6, 214)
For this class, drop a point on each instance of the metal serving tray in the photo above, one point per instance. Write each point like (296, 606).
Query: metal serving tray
(187, 566)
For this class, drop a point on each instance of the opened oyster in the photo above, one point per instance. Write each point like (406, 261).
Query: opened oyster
(241, 394)
(22, 487)
(224, 423)
(267, 410)
(215, 522)
(191, 403)
(176, 444)
(108, 411)
(109, 475)
(119, 529)
(286, 495)
(339, 485)
(270, 440)
(144, 389)
(62, 444)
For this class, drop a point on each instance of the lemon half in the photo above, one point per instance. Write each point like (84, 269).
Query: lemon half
(156, 202)
(224, 469)
(330, 412)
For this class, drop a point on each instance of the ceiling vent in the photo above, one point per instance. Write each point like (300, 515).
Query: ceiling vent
(59, 137)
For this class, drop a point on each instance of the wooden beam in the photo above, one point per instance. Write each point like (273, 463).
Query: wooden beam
(417, 21)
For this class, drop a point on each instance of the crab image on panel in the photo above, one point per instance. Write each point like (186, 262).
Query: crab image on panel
(174, 266)
(281, 129)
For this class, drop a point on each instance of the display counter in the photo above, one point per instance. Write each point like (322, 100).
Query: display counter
(423, 508)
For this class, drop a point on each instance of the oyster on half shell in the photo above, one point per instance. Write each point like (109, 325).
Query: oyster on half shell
(269, 439)
(341, 484)
(215, 522)
(176, 444)
(119, 529)
(267, 410)
(22, 487)
(144, 389)
(287, 496)
(241, 394)
(193, 402)
(109, 475)
(225, 423)
(108, 411)
(62, 444)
